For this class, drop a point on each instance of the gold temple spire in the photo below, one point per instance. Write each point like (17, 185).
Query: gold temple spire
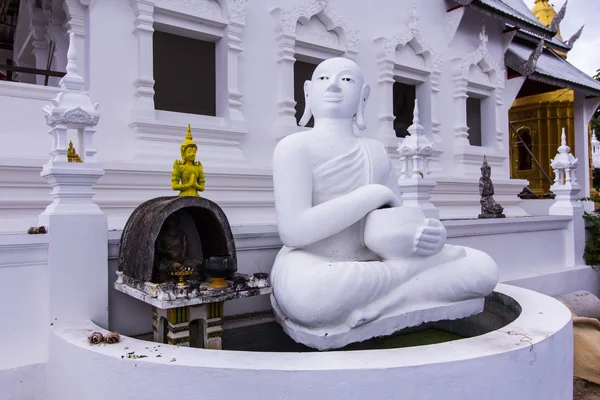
(544, 11)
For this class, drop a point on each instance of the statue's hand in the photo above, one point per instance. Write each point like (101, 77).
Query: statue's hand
(430, 238)
(177, 267)
(190, 264)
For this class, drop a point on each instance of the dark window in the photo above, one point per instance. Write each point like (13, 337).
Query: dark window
(302, 72)
(524, 157)
(404, 96)
(184, 74)
(474, 120)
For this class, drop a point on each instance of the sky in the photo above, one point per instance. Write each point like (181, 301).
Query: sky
(585, 55)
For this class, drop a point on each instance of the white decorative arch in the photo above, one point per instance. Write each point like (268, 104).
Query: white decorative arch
(478, 73)
(315, 30)
(426, 74)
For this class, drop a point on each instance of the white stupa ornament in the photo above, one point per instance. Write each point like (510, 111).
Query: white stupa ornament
(72, 108)
(564, 164)
(595, 150)
(415, 150)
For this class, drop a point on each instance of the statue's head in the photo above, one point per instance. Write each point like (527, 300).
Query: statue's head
(486, 170)
(338, 91)
(188, 148)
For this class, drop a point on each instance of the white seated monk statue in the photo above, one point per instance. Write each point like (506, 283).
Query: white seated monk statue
(355, 263)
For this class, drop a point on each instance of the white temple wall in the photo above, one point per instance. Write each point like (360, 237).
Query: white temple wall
(112, 53)
(24, 344)
(23, 131)
(237, 157)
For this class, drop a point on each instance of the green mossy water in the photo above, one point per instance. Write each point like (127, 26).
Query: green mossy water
(270, 337)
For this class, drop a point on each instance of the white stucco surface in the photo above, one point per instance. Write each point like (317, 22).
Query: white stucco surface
(530, 358)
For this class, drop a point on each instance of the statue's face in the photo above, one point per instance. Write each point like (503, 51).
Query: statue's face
(190, 153)
(486, 172)
(336, 89)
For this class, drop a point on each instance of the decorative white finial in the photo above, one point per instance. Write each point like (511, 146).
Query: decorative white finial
(563, 149)
(564, 164)
(73, 108)
(595, 150)
(483, 38)
(415, 149)
(413, 18)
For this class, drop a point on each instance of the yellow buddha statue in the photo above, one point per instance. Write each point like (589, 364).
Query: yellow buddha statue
(188, 175)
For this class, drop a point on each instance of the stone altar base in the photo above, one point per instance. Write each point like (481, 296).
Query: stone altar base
(384, 326)
(491, 216)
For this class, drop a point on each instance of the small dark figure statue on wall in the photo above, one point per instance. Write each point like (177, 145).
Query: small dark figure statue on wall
(171, 253)
(489, 207)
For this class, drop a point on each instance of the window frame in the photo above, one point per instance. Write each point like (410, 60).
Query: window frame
(155, 131)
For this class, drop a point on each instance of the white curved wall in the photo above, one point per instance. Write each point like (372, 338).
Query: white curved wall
(532, 358)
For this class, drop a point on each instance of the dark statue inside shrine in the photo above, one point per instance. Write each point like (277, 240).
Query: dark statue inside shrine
(172, 254)
(489, 207)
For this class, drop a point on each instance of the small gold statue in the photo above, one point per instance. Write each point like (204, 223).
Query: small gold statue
(71, 155)
(188, 175)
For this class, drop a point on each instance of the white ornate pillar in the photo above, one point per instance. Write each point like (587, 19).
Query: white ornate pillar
(435, 167)
(237, 21)
(435, 99)
(385, 79)
(76, 23)
(78, 233)
(461, 129)
(144, 82)
(285, 78)
(39, 27)
(583, 112)
(414, 182)
(595, 150)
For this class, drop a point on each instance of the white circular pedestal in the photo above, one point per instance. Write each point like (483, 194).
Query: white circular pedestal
(531, 358)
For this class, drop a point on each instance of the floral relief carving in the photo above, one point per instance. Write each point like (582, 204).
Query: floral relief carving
(237, 10)
(306, 9)
(412, 34)
(73, 116)
(317, 31)
(482, 58)
(203, 7)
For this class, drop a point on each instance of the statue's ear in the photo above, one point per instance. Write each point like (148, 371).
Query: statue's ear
(360, 112)
(307, 110)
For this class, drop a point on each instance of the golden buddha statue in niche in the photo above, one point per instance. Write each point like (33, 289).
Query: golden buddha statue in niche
(188, 175)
